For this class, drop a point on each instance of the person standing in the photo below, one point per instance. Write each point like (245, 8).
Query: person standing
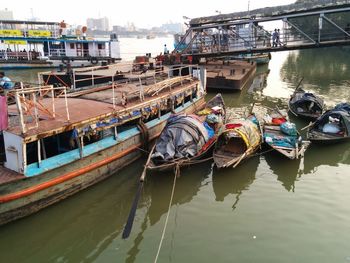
(278, 39)
(166, 51)
(274, 38)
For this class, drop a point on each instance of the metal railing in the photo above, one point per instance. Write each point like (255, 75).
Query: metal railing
(29, 105)
(19, 55)
(84, 53)
(249, 35)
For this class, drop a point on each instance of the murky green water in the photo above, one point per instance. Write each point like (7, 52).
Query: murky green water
(269, 209)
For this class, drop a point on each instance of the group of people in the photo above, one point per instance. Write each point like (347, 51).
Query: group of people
(276, 41)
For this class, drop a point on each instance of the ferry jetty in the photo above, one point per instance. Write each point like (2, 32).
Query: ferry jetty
(55, 142)
(32, 44)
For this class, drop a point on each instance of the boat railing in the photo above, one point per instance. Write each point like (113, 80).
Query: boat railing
(77, 52)
(29, 104)
(19, 55)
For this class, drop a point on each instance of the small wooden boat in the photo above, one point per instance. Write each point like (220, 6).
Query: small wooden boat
(238, 140)
(332, 126)
(279, 133)
(187, 138)
(305, 105)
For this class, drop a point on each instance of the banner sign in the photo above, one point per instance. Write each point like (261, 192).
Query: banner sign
(11, 32)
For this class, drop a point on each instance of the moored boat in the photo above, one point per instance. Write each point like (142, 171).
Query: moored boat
(306, 105)
(280, 134)
(187, 138)
(238, 140)
(55, 146)
(333, 126)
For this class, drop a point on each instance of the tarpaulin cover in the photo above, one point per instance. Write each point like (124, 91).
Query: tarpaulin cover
(183, 136)
(340, 111)
(302, 97)
(3, 113)
(247, 130)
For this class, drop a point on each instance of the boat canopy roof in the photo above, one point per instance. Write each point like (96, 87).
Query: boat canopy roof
(27, 22)
(183, 137)
(341, 110)
(303, 97)
(67, 40)
(247, 130)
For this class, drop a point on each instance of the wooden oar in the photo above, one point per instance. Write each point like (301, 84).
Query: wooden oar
(308, 126)
(299, 83)
(131, 217)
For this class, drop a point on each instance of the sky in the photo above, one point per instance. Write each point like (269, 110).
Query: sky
(145, 14)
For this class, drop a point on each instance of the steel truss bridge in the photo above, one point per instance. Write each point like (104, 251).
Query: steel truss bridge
(301, 27)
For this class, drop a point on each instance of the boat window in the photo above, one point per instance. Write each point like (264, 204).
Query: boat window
(100, 46)
(51, 146)
(72, 46)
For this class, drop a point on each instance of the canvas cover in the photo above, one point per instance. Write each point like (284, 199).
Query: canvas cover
(341, 110)
(183, 136)
(247, 130)
(303, 97)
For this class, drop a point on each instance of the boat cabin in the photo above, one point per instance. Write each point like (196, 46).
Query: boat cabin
(48, 42)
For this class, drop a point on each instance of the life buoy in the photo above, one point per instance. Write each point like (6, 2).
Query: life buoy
(65, 60)
(94, 60)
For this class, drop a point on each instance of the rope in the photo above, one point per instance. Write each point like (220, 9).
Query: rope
(177, 171)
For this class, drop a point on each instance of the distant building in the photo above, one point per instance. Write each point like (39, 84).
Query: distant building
(118, 29)
(130, 27)
(6, 14)
(172, 27)
(98, 23)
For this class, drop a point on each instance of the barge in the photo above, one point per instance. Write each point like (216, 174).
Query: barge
(229, 75)
(56, 144)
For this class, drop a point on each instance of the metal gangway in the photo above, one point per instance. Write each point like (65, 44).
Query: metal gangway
(321, 23)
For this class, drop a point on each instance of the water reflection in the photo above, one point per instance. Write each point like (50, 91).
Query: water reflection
(331, 155)
(325, 71)
(287, 171)
(76, 230)
(234, 181)
(158, 189)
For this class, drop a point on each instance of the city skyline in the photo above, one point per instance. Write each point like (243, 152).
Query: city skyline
(142, 14)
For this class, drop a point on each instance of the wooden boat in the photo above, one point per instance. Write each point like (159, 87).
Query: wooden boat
(184, 138)
(305, 105)
(55, 146)
(239, 139)
(333, 126)
(279, 133)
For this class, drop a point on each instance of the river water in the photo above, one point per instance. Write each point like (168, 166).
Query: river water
(268, 209)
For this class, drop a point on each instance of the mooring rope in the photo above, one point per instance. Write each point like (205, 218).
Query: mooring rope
(177, 171)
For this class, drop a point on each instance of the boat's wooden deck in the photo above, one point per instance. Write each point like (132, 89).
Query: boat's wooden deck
(89, 107)
(7, 175)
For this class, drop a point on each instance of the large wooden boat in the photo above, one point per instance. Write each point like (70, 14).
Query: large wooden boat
(306, 105)
(57, 145)
(279, 133)
(333, 126)
(238, 140)
(187, 138)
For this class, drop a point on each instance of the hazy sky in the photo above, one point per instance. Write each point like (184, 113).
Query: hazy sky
(143, 13)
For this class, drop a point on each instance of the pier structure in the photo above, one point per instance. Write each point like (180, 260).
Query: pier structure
(298, 26)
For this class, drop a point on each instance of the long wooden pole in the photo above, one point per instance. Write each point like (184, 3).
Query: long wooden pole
(131, 217)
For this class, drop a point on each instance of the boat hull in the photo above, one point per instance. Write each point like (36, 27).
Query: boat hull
(26, 196)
